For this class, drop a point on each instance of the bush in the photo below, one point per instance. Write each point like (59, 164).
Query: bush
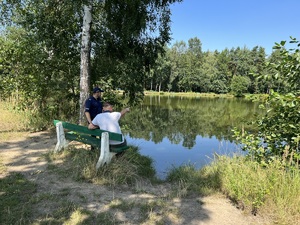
(279, 129)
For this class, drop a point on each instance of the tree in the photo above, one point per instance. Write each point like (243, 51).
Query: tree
(194, 62)
(223, 69)
(176, 56)
(258, 56)
(85, 59)
(239, 85)
(126, 37)
(208, 70)
(160, 73)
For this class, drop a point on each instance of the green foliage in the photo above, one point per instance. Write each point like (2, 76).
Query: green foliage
(288, 67)
(281, 124)
(253, 145)
(188, 68)
(135, 33)
(40, 57)
(40, 54)
(219, 86)
(239, 85)
(246, 184)
(279, 129)
(36, 80)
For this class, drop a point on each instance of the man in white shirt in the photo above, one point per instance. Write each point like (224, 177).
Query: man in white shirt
(109, 120)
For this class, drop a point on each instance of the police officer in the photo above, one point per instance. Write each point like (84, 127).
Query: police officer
(93, 105)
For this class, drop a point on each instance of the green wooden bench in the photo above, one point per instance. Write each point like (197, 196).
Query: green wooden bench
(98, 138)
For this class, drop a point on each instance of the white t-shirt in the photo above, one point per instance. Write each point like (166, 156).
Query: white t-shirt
(109, 121)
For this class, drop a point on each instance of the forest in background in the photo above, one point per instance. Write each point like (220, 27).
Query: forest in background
(186, 68)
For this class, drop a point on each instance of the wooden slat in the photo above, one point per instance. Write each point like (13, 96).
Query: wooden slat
(93, 141)
(86, 139)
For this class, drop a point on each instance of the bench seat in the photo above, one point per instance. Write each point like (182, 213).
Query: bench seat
(97, 138)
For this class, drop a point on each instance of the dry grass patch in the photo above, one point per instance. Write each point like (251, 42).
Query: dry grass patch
(13, 123)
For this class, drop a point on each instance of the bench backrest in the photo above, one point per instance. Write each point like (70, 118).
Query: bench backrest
(85, 130)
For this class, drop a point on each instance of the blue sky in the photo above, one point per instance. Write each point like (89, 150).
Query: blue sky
(235, 23)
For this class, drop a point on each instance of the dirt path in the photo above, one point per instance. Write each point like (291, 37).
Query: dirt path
(24, 155)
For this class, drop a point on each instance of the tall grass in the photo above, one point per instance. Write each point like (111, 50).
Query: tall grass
(16, 116)
(188, 179)
(129, 168)
(272, 191)
(13, 122)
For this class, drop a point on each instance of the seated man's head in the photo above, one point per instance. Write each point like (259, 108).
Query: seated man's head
(107, 106)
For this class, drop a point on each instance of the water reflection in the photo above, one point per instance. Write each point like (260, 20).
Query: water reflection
(178, 130)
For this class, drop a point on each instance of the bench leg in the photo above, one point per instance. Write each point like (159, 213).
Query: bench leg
(61, 139)
(105, 154)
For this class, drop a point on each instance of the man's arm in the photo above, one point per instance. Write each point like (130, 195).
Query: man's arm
(124, 111)
(92, 126)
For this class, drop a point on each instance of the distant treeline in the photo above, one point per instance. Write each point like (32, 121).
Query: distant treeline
(185, 67)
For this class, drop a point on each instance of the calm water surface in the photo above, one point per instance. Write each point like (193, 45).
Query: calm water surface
(174, 131)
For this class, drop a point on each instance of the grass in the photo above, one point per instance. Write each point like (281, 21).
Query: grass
(79, 164)
(189, 180)
(16, 192)
(272, 191)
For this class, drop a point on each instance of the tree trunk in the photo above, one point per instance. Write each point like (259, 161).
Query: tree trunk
(85, 60)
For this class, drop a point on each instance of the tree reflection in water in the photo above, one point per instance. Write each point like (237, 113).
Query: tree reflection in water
(166, 127)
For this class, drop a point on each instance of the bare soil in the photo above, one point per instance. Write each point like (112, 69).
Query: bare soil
(24, 155)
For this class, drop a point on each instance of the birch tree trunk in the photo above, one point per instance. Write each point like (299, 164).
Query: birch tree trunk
(85, 60)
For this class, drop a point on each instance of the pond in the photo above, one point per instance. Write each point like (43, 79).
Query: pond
(174, 131)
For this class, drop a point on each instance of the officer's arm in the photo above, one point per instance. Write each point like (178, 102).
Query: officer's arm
(87, 110)
(88, 117)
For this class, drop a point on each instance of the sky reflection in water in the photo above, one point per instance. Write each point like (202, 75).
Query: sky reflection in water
(167, 155)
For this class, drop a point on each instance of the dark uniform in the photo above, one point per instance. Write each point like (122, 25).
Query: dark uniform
(93, 106)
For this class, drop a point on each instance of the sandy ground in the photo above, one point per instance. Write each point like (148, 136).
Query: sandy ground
(24, 155)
